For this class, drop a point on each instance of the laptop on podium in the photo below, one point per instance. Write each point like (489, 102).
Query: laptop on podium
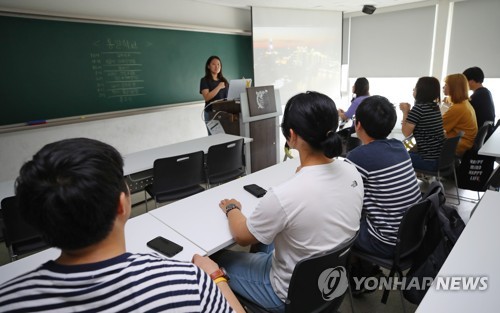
(236, 87)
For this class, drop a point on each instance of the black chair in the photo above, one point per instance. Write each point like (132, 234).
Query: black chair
(447, 162)
(494, 127)
(493, 183)
(494, 180)
(481, 135)
(479, 141)
(304, 291)
(410, 235)
(348, 141)
(176, 177)
(20, 237)
(225, 162)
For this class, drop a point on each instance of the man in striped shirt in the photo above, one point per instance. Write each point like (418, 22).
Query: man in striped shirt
(74, 193)
(388, 176)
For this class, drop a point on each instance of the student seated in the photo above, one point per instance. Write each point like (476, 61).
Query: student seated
(316, 210)
(461, 115)
(425, 122)
(73, 192)
(389, 180)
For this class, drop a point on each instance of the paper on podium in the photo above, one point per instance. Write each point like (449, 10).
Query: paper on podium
(215, 127)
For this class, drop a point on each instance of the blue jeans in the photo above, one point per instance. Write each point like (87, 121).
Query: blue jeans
(249, 277)
(206, 116)
(419, 163)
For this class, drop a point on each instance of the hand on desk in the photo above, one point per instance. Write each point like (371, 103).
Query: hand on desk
(224, 203)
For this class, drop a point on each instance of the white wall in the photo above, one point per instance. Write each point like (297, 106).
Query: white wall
(130, 133)
(183, 12)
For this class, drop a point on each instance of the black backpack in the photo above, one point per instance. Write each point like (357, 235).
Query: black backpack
(444, 226)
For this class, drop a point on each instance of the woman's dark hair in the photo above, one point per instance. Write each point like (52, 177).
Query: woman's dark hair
(361, 87)
(208, 74)
(427, 90)
(70, 191)
(377, 116)
(314, 117)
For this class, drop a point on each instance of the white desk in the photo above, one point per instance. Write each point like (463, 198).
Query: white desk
(143, 160)
(475, 254)
(138, 231)
(492, 146)
(199, 217)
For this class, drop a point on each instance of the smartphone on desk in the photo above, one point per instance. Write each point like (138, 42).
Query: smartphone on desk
(255, 190)
(164, 246)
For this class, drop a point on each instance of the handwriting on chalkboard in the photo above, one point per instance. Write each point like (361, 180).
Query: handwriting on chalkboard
(117, 68)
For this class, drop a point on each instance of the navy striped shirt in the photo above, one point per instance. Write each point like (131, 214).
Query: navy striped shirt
(127, 283)
(428, 132)
(390, 185)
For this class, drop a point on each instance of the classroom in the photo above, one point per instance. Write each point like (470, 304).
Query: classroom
(391, 43)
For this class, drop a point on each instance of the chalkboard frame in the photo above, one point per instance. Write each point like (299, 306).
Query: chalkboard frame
(229, 66)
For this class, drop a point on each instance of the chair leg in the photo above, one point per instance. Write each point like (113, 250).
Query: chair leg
(402, 300)
(456, 185)
(351, 299)
(385, 295)
(349, 290)
(146, 199)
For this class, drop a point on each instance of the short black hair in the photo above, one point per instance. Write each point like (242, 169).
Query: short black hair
(427, 90)
(474, 73)
(70, 191)
(361, 87)
(377, 115)
(314, 117)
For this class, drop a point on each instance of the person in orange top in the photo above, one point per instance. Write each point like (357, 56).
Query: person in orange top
(461, 115)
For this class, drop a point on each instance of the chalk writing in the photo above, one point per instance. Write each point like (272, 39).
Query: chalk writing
(117, 68)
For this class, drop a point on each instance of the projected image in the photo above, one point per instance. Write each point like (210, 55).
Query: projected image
(296, 59)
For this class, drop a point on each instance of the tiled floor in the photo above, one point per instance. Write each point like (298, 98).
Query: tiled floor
(366, 303)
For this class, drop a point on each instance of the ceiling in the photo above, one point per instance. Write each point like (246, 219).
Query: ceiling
(346, 6)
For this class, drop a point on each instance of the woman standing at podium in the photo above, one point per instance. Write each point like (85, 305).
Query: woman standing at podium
(213, 86)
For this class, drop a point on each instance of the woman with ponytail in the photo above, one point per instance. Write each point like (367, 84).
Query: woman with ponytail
(313, 212)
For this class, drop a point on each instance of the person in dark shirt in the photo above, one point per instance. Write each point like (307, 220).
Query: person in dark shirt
(213, 86)
(481, 99)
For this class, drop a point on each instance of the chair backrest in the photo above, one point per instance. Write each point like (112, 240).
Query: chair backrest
(494, 180)
(481, 135)
(20, 237)
(412, 229)
(225, 161)
(447, 156)
(319, 283)
(179, 172)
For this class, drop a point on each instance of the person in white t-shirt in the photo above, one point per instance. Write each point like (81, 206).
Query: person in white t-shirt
(316, 210)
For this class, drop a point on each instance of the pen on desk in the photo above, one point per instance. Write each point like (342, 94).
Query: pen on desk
(36, 122)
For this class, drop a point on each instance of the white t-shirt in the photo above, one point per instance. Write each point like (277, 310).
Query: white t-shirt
(316, 210)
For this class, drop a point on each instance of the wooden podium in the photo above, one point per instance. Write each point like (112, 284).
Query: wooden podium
(228, 114)
(256, 116)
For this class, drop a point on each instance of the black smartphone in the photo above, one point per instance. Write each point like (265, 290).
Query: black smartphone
(164, 246)
(255, 190)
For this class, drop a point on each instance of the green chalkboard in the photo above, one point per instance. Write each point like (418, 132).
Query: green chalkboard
(55, 69)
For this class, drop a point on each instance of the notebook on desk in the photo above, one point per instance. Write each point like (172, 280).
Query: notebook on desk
(236, 87)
